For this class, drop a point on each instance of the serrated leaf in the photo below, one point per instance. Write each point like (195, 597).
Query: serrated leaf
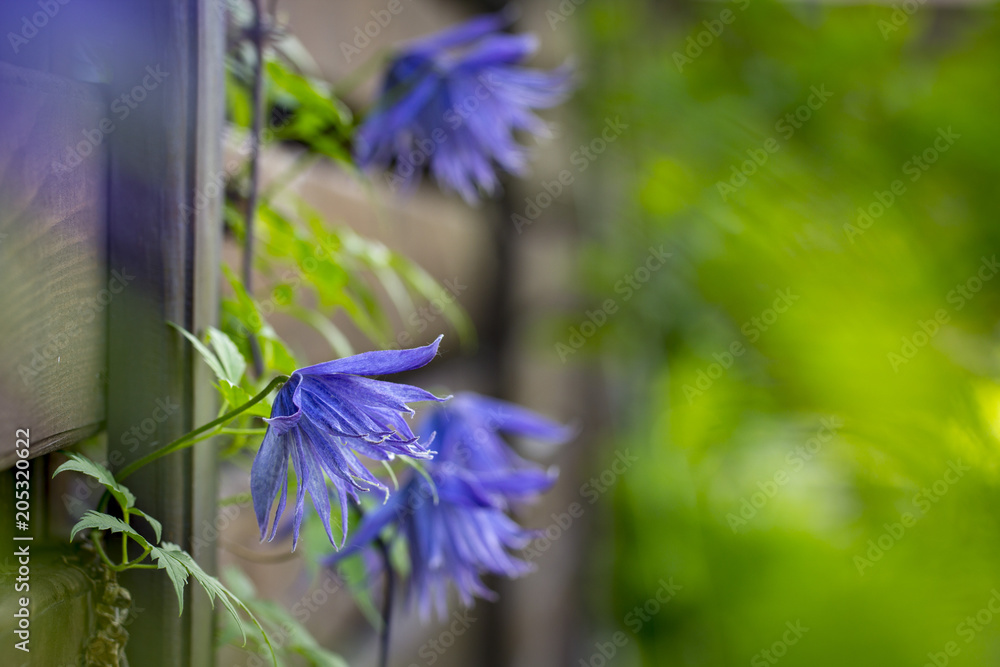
(233, 363)
(157, 526)
(171, 555)
(210, 358)
(166, 559)
(101, 521)
(80, 463)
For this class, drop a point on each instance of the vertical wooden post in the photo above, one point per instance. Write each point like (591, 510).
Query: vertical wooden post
(167, 105)
(206, 207)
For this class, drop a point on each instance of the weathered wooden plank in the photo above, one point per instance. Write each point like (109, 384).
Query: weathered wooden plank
(53, 270)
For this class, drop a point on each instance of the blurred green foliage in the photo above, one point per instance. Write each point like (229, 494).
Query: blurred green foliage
(318, 268)
(879, 531)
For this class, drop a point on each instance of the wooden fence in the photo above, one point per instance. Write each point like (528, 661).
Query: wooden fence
(110, 113)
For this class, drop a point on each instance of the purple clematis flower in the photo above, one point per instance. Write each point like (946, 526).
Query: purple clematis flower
(455, 532)
(453, 101)
(325, 415)
(463, 531)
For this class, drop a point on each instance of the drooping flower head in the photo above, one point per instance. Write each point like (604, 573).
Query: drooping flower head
(453, 101)
(325, 415)
(454, 532)
(457, 530)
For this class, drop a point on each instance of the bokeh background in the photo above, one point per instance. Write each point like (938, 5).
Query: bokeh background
(766, 292)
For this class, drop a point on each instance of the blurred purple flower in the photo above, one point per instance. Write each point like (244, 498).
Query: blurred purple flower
(457, 539)
(321, 418)
(466, 532)
(470, 425)
(453, 100)
(468, 432)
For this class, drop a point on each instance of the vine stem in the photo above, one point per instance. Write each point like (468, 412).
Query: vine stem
(390, 585)
(125, 541)
(96, 539)
(387, 596)
(133, 563)
(190, 437)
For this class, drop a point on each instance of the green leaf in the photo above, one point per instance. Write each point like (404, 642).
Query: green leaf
(425, 285)
(245, 307)
(175, 560)
(238, 102)
(101, 521)
(233, 363)
(319, 119)
(80, 463)
(157, 526)
(238, 396)
(166, 558)
(277, 356)
(210, 358)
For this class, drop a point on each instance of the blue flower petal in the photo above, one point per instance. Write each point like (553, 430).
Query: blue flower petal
(381, 362)
(496, 50)
(268, 475)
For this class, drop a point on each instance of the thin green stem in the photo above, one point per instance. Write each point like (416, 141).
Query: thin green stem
(126, 564)
(392, 474)
(132, 563)
(125, 541)
(387, 596)
(423, 473)
(189, 438)
(95, 537)
(242, 431)
(205, 436)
